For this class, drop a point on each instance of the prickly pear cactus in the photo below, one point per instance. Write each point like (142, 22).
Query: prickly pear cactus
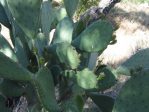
(135, 63)
(134, 95)
(53, 71)
(95, 37)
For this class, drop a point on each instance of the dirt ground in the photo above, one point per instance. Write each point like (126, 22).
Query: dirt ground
(132, 34)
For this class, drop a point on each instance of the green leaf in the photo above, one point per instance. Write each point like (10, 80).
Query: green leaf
(74, 104)
(3, 107)
(60, 13)
(106, 79)
(40, 43)
(12, 70)
(105, 103)
(95, 37)
(134, 95)
(135, 63)
(6, 88)
(64, 31)
(44, 86)
(27, 14)
(47, 17)
(35, 108)
(71, 6)
(3, 17)
(21, 53)
(66, 54)
(78, 28)
(7, 49)
(86, 79)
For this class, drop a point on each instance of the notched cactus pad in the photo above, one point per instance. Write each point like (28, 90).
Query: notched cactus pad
(86, 79)
(95, 37)
(134, 96)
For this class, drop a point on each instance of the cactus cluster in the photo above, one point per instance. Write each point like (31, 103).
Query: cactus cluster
(50, 74)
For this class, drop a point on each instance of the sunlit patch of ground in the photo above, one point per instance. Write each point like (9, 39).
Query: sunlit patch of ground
(132, 35)
(5, 33)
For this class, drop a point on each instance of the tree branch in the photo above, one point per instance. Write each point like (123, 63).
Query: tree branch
(96, 12)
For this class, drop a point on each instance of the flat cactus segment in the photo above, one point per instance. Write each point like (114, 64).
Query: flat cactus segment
(71, 6)
(47, 17)
(27, 14)
(138, 61)
(74, 104)
(3, 17)
(7, 49)
(60, 13)
(44, 86)
(40, 42)
(134, 95)
(86, 79)
(106, 79)
(3, 107)
(12, 70)
(21, 53)
(95, 37)
(11, 88)
(78, 28)
(66, 54)
(105, 103)
(64, 31)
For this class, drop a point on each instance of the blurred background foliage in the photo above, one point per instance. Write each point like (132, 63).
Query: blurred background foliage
(136, 1)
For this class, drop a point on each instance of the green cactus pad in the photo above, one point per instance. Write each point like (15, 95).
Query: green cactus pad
(11, 88)
(43, 83)
(40, 43)
(27, 14)
(64, 31)
(3, 107)
(137, 62)
(21, 53)
(71, 6)
(68, 55)
(106, 79)
(134, 95)
(78, 28)
(105, 103)
(60, 13)
(12, 70)
(47, 17)
(7, 49)
(95, 37)
(3, 17)
(86, 79)
(74, 104)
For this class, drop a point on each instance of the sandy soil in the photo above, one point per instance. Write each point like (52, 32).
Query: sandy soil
(132, 34)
